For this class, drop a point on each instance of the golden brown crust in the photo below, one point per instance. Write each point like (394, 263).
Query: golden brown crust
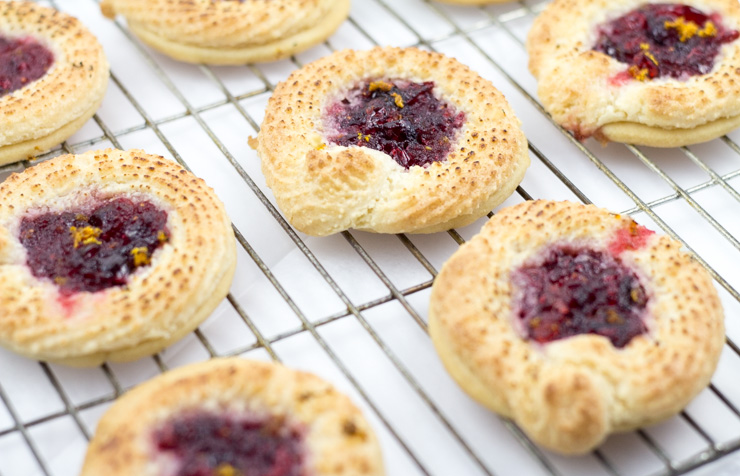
(324, 189)
(32, 147)
(187, 278)
(575, 88)
(339, 441)
(47, 111)
(570, 393)
(228, 31)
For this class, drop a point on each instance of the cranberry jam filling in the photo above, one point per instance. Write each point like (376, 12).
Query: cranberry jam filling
(664, 39)
(401, 118)
(631, 237)
(580, 291)
(22, 60)
(91, 250)
(205, 444)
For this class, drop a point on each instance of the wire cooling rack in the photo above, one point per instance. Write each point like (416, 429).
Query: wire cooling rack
(352, 307)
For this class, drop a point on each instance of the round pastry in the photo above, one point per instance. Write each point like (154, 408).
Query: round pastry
(575, 322)
(108, 255)
(657, 74)
(53, 76)
(230, 31)
(234, 417)
(389, 140)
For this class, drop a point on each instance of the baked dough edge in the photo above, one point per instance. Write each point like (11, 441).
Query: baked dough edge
(641, 134)
(33, 147)
(147, 348)
(568, 395)
(339, 439)
(276, 50)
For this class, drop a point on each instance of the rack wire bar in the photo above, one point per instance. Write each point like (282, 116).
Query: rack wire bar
(487, 447)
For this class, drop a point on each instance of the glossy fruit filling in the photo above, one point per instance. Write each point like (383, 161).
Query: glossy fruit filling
(22, 60)
(401, 118)
(90, 249)
(573, 291)
(664, 40)
(205, 444)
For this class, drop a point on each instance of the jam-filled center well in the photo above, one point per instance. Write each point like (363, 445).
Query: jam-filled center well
(575, 291)
(205, 444)
(22, 60)
(404, 119)
(93, 249)
(664, 40)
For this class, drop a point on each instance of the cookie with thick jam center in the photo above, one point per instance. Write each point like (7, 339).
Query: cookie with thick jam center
(22, 60)
(665, 40)
(577, 291)
(402, 118)
(93, 249)
(206, 444)
(575, 322)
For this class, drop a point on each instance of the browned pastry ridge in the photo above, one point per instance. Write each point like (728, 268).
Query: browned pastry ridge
(228, 31)
(47, 111)
(338, 441)
(325, 188)
(569, 394)
(187, 277)
(575, 83)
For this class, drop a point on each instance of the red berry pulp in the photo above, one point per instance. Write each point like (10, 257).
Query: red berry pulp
(22, 60)
(401, 118)
(93, 249)
(631, 237)
(577, 291)
(205, 444)
(665, 39)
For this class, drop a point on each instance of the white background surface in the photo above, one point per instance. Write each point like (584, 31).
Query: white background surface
(378, 349)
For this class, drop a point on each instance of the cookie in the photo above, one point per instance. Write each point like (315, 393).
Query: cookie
(657, 74)
(575, 322)
(234, 417)
(53, 76)
(229, 31)
(389, 140)
(108, 255)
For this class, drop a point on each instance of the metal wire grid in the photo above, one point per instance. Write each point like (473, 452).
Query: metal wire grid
(486, 17)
